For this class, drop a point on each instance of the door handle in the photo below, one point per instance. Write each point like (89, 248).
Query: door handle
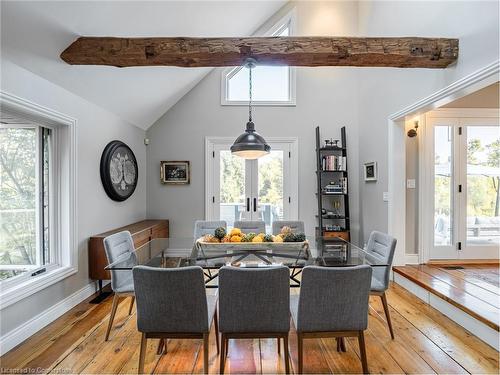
(255, 205)
(248, 204)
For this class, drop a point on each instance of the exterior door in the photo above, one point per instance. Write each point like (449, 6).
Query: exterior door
(261, 189)
(465, 185)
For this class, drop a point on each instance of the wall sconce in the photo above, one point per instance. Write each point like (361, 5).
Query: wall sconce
(413, 132)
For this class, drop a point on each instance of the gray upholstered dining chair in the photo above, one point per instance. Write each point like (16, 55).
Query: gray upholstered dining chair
(172, 303)
(295, 226)
(381, 248)
(120, 246)
(333, 302)
(254, 303)
(202, 227)
(251, 226)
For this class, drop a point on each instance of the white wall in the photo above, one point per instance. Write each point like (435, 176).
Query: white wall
(326, 97)
(384, 91)
(96, 212)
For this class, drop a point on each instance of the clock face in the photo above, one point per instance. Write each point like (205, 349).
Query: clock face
(118, 171)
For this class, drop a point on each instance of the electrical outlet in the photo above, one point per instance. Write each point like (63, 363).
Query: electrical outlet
(411, 183)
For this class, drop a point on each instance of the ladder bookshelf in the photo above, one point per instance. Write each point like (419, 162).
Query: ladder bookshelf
(332, 189)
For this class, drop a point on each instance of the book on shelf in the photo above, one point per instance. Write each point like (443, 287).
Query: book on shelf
(333, 163)
(339, 187)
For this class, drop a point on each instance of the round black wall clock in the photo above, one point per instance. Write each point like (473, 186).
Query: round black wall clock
(119, 171)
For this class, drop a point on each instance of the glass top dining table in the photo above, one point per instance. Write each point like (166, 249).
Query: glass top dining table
(182, 252)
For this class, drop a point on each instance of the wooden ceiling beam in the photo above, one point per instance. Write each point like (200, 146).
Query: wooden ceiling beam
(407, 52)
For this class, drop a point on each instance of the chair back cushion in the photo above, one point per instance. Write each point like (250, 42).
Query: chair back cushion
(381, 248)
(254, 300)
(296, 226)
(120, 246)
(202, 227)
(171, 299)
(334, 299)
(251, 226)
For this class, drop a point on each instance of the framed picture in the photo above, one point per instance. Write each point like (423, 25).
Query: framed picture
(174, 172)
(371, 171)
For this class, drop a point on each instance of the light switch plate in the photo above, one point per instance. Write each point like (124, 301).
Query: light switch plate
(410, 183)
(385, 196)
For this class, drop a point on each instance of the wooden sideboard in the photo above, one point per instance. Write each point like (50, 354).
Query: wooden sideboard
(142, 232)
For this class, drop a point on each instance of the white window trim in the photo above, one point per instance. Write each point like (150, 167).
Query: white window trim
(65, 199)
(293, 189)
(289, 20)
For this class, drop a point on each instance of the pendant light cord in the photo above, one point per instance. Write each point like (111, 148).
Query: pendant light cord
(250, 93)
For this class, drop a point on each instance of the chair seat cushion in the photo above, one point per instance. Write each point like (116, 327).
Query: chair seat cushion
(377, 286)
(294, 308)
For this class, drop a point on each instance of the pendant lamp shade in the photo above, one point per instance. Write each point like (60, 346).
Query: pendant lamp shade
(250, 144)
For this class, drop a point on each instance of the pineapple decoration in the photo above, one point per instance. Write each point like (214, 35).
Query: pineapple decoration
(220, 233)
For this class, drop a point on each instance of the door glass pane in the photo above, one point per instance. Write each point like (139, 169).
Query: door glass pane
(483, 177)
(232, 187)
(270, 188)
(443, 183)
(18, 250)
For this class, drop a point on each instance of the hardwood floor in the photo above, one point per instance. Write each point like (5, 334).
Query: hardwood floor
(474, 288)
(426, 342)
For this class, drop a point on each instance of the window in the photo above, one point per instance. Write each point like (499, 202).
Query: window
(25, 200)
(38, 200)
(272, 85)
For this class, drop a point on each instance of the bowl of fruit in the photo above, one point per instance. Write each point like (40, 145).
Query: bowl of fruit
(286, 239)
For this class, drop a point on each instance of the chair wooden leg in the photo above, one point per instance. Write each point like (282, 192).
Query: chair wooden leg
(362, 351)
(279, 345)
(301, 353)
(227, 348)
(160, 346)
(131, 305)
(216, 323)
(383, 297)
(142, 354)
(287, 354)
(342, 344)
(205, 352)
(116, 299)
(339, 348)
(222, 356)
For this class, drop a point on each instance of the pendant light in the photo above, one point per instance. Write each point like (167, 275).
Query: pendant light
(250, 144)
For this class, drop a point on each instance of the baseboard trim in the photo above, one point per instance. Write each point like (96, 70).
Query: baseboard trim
(412, 259)
(474, 326)
(464, 261)
(13, 338)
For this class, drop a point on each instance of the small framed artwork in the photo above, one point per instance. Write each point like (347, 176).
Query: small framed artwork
(174, 172)
(371, 171)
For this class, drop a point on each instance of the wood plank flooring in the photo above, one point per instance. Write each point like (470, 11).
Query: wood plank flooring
(474, 289)
(426, 342)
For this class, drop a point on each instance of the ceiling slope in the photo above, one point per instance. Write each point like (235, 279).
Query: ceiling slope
(33, 35)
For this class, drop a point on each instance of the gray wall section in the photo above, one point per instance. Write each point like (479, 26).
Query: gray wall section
(96, 212)
(412, 194)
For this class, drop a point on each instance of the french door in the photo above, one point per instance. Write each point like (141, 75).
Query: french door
(262, 189)
(465, 188)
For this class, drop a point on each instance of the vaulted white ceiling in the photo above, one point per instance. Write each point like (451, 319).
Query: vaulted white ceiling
(33, 34)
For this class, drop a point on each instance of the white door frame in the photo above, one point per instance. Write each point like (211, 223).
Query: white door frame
(455, 117)
(397, 159)
(293, 189)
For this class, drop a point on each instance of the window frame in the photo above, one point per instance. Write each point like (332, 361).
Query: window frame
(63, 200)
(288, 21)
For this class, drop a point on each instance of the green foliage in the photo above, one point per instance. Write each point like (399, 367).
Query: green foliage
(17, 197)
(289, 237)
